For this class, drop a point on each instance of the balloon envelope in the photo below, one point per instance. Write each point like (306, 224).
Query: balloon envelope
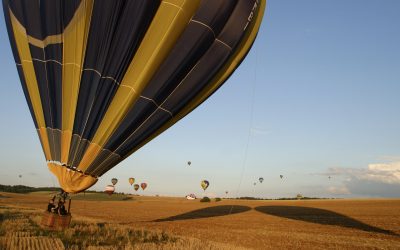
(281, 176)
(136, 187)
(261, 179)
(131, 180)
(143, 185)
(114, 181)
(189, 162)
(204, 184)
(109, 189)
(103, 78)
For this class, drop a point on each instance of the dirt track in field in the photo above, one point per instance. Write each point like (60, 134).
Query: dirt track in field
(311, 224)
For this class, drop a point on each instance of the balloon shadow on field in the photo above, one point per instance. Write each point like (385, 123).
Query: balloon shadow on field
(320, 216)
(207, 212)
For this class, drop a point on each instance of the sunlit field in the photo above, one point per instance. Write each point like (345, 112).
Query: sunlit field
(136, 222)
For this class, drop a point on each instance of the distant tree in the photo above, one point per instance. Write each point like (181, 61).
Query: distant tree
(218, 199)
(205, 199)
(25, 189)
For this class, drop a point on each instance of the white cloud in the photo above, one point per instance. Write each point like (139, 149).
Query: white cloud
(388, 173)
(384, 172)
(378, 179)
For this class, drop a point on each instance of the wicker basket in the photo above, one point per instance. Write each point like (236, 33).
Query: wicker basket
(55, 221)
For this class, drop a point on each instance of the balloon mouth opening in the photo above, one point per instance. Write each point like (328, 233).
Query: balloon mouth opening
(71, 180)
(65, 165)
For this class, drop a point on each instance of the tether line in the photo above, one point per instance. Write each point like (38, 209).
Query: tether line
(246, 149)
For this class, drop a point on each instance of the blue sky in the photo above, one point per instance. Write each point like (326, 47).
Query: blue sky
(318, 95)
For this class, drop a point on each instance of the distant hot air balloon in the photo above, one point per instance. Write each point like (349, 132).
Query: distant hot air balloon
(261, 179)
(255, 183)
(136, 187)
(131, 180)
(109, 189)
(204, 184)
(114, 181)
(189, 162)
(226, 192)
(143, 185)
(103, 78)
(281, 176)
(20, 176)
(329, 177)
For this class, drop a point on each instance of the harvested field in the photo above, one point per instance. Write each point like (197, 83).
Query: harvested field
(233, 224)
(45, 243)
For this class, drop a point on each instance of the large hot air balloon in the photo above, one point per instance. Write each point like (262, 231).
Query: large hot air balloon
(103, 78)
(261, 179)
(114, 181)
(143, 185)
(109, 189)
(131, 180)
(204, 184)
(136, 187)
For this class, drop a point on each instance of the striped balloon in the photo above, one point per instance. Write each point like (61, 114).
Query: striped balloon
(103, 78)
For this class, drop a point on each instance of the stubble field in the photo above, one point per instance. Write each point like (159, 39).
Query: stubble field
(234, 224)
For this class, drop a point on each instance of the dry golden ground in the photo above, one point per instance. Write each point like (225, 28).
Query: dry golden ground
(303, 224)
(20, 230)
